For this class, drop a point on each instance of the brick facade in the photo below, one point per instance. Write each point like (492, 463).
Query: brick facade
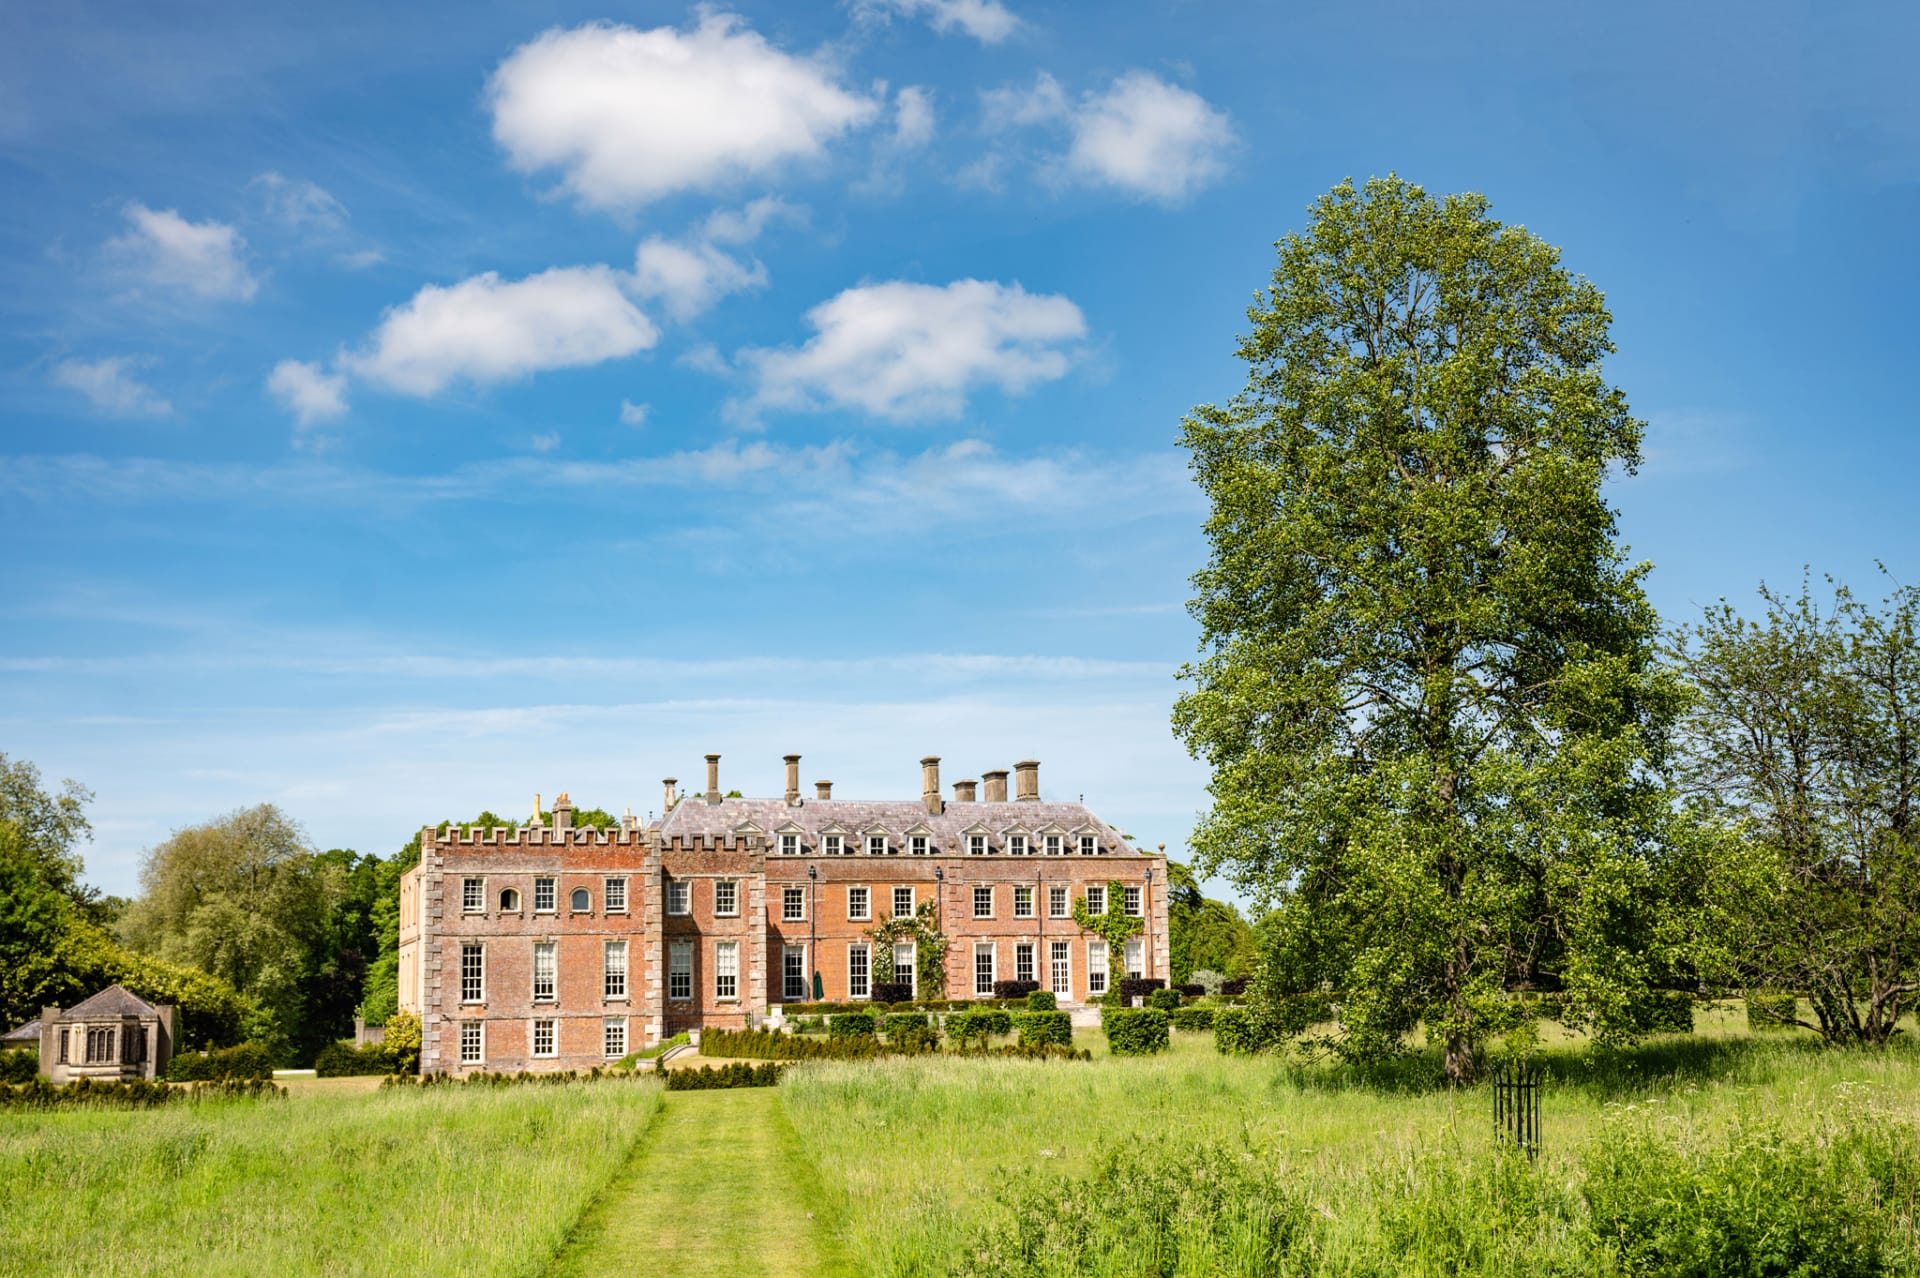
(735, 865)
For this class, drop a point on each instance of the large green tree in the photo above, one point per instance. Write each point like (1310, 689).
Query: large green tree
(1203, 934)
(1801, 757)
(1428, 689)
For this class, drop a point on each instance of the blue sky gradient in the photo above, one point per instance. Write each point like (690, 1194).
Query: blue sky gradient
(310, 499)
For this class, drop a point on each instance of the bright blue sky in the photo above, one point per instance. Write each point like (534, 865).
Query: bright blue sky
(405, 412)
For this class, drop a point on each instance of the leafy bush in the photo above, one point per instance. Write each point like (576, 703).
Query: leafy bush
(1766, 1007)
(772, 1045)
(914, 1040)
(889, 992)
(1165, 1000)
(19, 1066)
(897, 1021)
(1042, 1001)
(248, 1060)
(1135, 1031)
(1662, 1012)
(979, 1025)
(1027, 1052)
(545, 1078)
(852, 1025)
(1014, 989)
(736, 1074)
(344, 1060)
(1037, 1028)
(1237, 1033)
(1207, 979)
(1193, 1019)
(38, 1093)
(1132, 987)
(403, 1042)
(1296, 1013)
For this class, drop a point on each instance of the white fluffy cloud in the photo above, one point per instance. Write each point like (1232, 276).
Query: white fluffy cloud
(485, 329)
(1141, 135)
(632, 414)
(987, 21)
(687, 278)
(111, 386)
(632, 116)
(903, 351)
(912, 117)
(310, 394)
(167, 251)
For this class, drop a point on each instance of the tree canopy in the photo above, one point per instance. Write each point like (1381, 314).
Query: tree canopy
(1428, 688)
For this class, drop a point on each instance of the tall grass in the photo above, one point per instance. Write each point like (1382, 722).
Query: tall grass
(467, 1181)
(1192, 1163)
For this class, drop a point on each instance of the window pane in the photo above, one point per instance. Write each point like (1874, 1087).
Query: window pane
(794, 971)
(983, 957)
(902, 901)
(543, 969)
(616, 894)
(680, 970)
(1023, 962)
(726, 964)
(543, 894)
(857, 972)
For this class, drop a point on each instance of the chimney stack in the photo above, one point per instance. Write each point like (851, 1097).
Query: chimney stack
(823, 789)
(1026, 781)
(535, 820)
(995, 780)
(793, 780)
(563, 812)
(930, 783)
(963, 791)
(713, 778)
(669, 798)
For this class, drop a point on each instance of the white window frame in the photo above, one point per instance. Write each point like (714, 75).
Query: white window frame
(1089, 845)
(473, 1042)
(1057, 958)
(1023, 950)
(1017, 845)
(787, 953)
(613, 979)
(1058, 906)
(793, 905)
(680, 971)
(1097, 972)
(679, 894)
(976, 845)
(732, 911)
(876, 845)
(860, 981)
(1132, 901)
(1053, 844)
(912, 968)
(613, 1037)
(789, 845)
(991, 953)
(552, 889)
(552, 993)
(1096, 899)
(831, 844)
(1133, 957)
(552, 1029)
(473, 896)
(479, 982)
(978, 890)
(726, 985)
(866, 899)
(613, 894)
(1023, 893)
(917, 845)
(912, 903)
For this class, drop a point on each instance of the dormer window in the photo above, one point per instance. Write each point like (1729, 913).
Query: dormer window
(789, 845)
(917, 845)
(876, 845)
(830, 844)
(976, 845)
(1088, 844)
(1053, 845)
(1016, 845)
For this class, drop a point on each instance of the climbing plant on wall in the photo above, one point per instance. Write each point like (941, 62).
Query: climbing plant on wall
(1113, 927)
(929, 948)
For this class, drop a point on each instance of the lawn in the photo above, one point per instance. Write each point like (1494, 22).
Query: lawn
(336, 1180)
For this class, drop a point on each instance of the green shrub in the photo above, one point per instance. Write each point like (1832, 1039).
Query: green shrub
(1037, 1028)
(913, 1040)
(1765, 1006)
(1164, 1000)
(736, 1074)
(38, 1093)
(1662, 1012)
(852, 1025)
(1042, 1001)
(898, 1021)
(1027, 1051)
(1237, 1033)
(403, 1042)
(1192, 1019)
(1135, 1031)
(21, 1065)
(1297, 1013)
(772, 1045)
(248, 1060)
(344, 1060)
(979, 1025)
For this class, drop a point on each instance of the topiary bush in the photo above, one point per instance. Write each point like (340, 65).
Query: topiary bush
(913, 1040)
(735, 1074)
(21, 1065)
(1235, 1033)
(898, 1021)
(1191, 991)
(1192, 1019)
(344, 1060)
(1165, 1000)
(1132, 987)
(1042, 1001)
(979, 1025)
(887, 993)
(1135, 1031)
(851, 1025)
(1014, 989)
(1037, 1028)
(772, 1045)
(248, 1060)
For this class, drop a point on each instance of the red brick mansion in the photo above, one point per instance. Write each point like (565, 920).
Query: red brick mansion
(560, 948)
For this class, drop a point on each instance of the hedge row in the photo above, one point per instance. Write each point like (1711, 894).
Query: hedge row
(344, 1060)
(19, 1066)
(772, 1045)
(735, 1074)
(1135, 1031)
(893, 991)
(1040, 1028)
(967, 1027)
(1026, 1051)
(483, 1079)
(247, 1061)
(1194, 1019)
(136, 1093)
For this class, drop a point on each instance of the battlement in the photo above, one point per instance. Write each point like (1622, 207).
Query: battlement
(534, 836)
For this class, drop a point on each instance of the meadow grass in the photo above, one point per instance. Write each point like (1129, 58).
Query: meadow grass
(941, 1165)
(456, 1180)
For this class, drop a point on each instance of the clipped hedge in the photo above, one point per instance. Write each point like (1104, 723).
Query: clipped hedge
(968, 1027)
(914, 1040)
(897, 1021)
(1135, 1031)
(21, 1065)
(850, 1025)
(1132, 987)
(1234, 988)
(136, 1093)
(1164, 1000)
(246, 1061)
(772, 1045)
(1191, 991)
(1764, 1005)
(1662, 1012)
(889, 992)
(1014, 989)
(344, 1060)
(709, 1077)
(1037, 1028)
(1042, 1001)
(1236, 1034)
(1192, 1019)
(548, 1078)
(1028, 1052)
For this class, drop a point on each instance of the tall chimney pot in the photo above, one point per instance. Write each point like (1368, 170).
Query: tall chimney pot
(793, 780)
(963, 791)
(713, 778)
(669, 797)
(563, 812)
(823, 789)
(930, 783)
(1026, 781)
(995, 781)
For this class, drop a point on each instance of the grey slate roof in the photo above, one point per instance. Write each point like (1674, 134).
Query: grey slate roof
(694, 816)
(115, 1000)
(28, 1033)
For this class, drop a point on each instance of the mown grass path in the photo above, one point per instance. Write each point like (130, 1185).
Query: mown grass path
(718, 1186)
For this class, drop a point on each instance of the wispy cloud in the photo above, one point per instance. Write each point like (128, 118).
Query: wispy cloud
(165, 251)
(987, 21)
(112, 386)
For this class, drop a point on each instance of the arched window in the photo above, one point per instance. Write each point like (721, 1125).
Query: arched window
(582, 900)
(510, 901)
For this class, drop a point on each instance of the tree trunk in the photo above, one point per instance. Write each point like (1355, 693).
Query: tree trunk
(1463, 1069)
